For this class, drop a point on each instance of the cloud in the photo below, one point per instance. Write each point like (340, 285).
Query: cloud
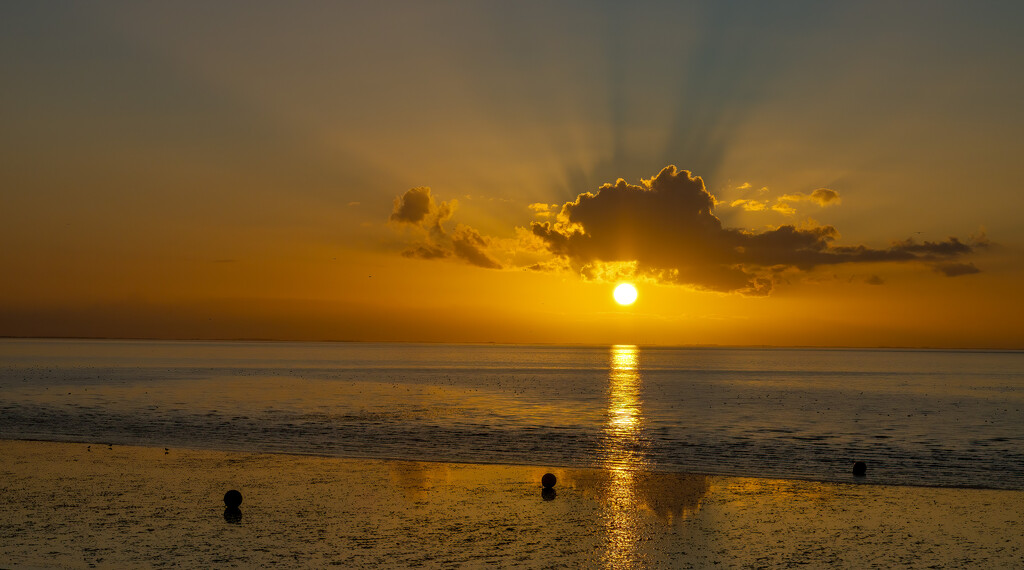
(413, 206)
(784, 204)
(469, 245)
(417, 208)
(540, 209)
(667, 226)
(933, 250)
(784, 208)
(822, 197)
(749, 205)
(825, 196)
(663, 230)
(426, 251)
(956, 269)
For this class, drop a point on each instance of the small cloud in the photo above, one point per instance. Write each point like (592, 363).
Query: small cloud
(426, 252)
(825, 196)
(743, 186)
(541, 210)
(784, 208)
(822, 197)
(874, 280)
(353, 204)
(956, 269)
(749, 205)
(932, 249)
(980, 239)
(550, 265)
(413, 206)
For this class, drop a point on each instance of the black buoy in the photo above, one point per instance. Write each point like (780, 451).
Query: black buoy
(859, 469)
(548, 480)
(232, 499)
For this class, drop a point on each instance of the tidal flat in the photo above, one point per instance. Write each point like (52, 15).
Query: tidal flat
(76, 505)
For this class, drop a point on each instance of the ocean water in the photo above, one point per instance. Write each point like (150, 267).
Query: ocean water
(916, 417)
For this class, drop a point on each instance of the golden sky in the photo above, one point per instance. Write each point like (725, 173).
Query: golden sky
(827, 174)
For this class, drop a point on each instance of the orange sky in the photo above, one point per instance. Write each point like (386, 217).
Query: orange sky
(191, 171)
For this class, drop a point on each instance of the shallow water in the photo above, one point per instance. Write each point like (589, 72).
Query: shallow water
(947, 418)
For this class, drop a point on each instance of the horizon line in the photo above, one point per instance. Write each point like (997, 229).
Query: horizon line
(505, 343)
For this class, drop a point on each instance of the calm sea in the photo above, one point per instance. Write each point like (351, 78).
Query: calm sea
(949, 418)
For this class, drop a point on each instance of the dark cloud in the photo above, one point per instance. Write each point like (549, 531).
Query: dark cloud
(825, 196)
(418, 208)
(874, 280)
(413, 206)
(667, 226)
(665, 229)
(424, 251)
(934, 250)
(956, 269)
(470, 246)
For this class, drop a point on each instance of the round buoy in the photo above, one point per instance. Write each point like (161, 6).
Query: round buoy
(860, 468)
(548, 480)
(233, 498)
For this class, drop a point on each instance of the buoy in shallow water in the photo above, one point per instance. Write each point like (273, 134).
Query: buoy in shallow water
(860, 468)
(233, 498)
(548, 480)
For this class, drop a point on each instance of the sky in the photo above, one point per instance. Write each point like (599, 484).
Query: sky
(783, 174)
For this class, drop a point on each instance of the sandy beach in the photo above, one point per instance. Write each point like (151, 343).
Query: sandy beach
(78, 505)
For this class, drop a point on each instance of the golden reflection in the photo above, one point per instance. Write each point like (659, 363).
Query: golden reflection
(629, 490)
(625, 417)
(623, 453)
(415, 478)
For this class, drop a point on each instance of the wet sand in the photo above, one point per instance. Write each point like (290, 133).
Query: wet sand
(73, 505)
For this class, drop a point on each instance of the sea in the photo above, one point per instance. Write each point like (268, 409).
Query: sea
(945, 418)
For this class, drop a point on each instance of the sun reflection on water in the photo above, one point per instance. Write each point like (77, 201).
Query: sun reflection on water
(623, 454)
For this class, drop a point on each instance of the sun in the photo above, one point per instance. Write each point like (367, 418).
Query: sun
(625, 294)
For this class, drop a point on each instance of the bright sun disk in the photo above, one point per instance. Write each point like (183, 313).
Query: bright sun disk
(625, 294)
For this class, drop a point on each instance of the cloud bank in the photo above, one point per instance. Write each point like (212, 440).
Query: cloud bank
(665, 229)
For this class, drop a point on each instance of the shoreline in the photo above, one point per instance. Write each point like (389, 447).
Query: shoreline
(858, 481)
(74, 505)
